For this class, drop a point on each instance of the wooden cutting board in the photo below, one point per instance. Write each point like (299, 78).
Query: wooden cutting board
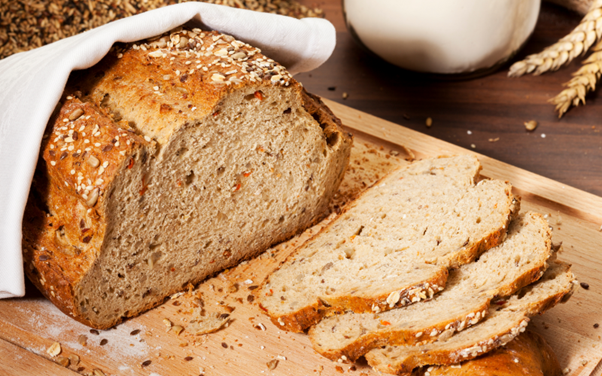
(146, 346)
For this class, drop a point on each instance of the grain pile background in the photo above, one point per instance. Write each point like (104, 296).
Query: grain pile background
(25, 25)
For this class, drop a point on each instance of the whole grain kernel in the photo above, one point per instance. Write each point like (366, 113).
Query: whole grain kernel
(146, 363)
(82, 340)
(531, 125)
(272, 364)
(54, 349)
(93, 198)
(104, 341)
(74, 359)
(63, 361)
(93, 161)
(429, 122)
(98, 372)
(177, 329)
(76, 114)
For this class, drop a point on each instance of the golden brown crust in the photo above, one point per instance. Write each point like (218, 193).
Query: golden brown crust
(528, 355)
(64, 224)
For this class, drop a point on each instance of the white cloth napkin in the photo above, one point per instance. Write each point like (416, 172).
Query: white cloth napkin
(31, 84)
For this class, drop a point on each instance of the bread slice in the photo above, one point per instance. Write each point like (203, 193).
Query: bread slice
(501, 271)
(506, 320)
(393, 245)
(169, 161)
(528, 355)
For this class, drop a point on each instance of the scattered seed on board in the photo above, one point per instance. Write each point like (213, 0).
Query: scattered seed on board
(531, 125)
(345, 95)
(54, 349)
(494, 139)
(272, 364)
(63, 361)
(429, 122)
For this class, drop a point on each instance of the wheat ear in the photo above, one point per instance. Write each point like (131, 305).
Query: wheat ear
(584, 81)
(577, 42)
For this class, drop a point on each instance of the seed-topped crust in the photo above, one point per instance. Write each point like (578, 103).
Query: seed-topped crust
(64, 223)
(186, 75)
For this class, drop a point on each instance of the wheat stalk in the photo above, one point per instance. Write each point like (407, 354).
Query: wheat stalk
(584, 81)
(577, 42)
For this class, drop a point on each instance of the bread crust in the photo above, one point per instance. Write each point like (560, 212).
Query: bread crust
(66, 216)
(63, 227)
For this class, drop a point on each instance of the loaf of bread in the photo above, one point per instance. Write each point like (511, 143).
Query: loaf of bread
(528, 354)
(520, 260)
(505, 320)
(167, 162)
(394, 245)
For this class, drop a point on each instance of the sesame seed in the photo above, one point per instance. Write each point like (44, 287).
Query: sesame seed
(155, 88)
(53, 163)
(72, 172)
(97, 144)
(148, 139)
(105, 164)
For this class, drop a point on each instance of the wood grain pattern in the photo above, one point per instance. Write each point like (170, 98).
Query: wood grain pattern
(251, 341)
(491, 107)
(16, 361)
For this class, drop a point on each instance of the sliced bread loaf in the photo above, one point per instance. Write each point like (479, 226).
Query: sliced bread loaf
(501, 271)
(173, 159)
(393, 245)
(506, 320)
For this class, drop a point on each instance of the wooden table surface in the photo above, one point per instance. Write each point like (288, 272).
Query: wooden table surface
(490, 107)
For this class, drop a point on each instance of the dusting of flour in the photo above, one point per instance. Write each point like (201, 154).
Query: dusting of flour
(56, 326)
